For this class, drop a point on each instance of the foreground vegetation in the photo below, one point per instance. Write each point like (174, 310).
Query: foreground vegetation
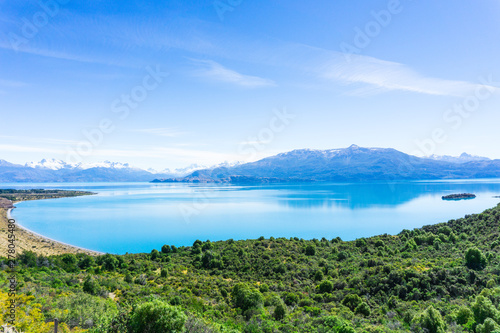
(439, 278)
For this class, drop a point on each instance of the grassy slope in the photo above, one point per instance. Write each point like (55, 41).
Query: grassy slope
(397, 277)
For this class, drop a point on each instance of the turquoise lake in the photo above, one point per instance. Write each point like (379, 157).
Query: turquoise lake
(137, 217)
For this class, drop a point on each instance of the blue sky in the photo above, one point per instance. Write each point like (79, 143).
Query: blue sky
(168, 83)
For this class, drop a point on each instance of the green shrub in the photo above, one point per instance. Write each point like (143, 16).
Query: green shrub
(463, 315)
(310, 250)
(475, 259)
(166, 249)
(91, 286)
(157, 317)
(352, 301)
(325, 287)
(429, 321)
(483, 309)
(362, 309)
(489, 326)
(279, 311)
(245, 297)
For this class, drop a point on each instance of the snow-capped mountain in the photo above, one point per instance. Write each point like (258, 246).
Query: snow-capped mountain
(51, 164)
(54, 164)
(53, 170)
(464, 158)
(347, 164)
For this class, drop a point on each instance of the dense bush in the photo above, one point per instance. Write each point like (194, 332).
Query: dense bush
(157, 317)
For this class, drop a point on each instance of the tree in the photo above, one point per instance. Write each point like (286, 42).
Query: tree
(157, 317)
(279, 311)
(166, 249)
(91, 286)
(109, 262)
(245, 297)
(483, 309)
(318, 276)
(27, 258)
(86, 262)
(463, 315)
(352, 301)
(429, 321)
(489, 326)
(69, 262)
(325, 287)
(363, 309)
(475, 259)
(310, 250)
(155, 254)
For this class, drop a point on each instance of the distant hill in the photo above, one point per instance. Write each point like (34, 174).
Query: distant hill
(59, 171)
(348, 164)
(53, 170)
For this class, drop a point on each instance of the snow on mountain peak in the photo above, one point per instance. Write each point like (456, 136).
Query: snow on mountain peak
(51, 164)
(459, 159)
(54, 164)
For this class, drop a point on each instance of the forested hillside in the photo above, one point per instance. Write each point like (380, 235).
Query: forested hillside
(440, 278)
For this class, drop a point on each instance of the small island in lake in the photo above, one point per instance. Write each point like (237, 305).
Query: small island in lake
(461, 196)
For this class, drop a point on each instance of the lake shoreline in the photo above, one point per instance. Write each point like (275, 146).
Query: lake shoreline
(28, 240)
(58, 245)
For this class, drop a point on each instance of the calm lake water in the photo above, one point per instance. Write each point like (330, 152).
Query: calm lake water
(137, 217)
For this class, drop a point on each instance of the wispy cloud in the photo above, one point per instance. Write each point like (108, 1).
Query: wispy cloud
(370, 75)
(216, 72)
(167, 132)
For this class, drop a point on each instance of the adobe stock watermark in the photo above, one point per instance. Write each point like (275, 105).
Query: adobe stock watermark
(248, 150)
(31, 26)
(454, 117)
(121, 109)
(223, 6)
(258, 143)
(199, 203)
(365, 35)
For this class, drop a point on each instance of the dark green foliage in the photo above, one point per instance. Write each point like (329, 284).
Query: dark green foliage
(279, 311)
(318, 276)
(27, 258)
(483, 308)
(291, 299)
(429, 321)
(352, 301)
(91, 286)
(166, 249)
(245, 297)
(363, 309)
(325, 286)
(310, 250)
(475, 259)
(109, 262)
(155, 254)
(157, 317)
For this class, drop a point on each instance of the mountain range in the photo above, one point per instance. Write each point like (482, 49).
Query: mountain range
(304, 165)
(52, 170)
(349, 164)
